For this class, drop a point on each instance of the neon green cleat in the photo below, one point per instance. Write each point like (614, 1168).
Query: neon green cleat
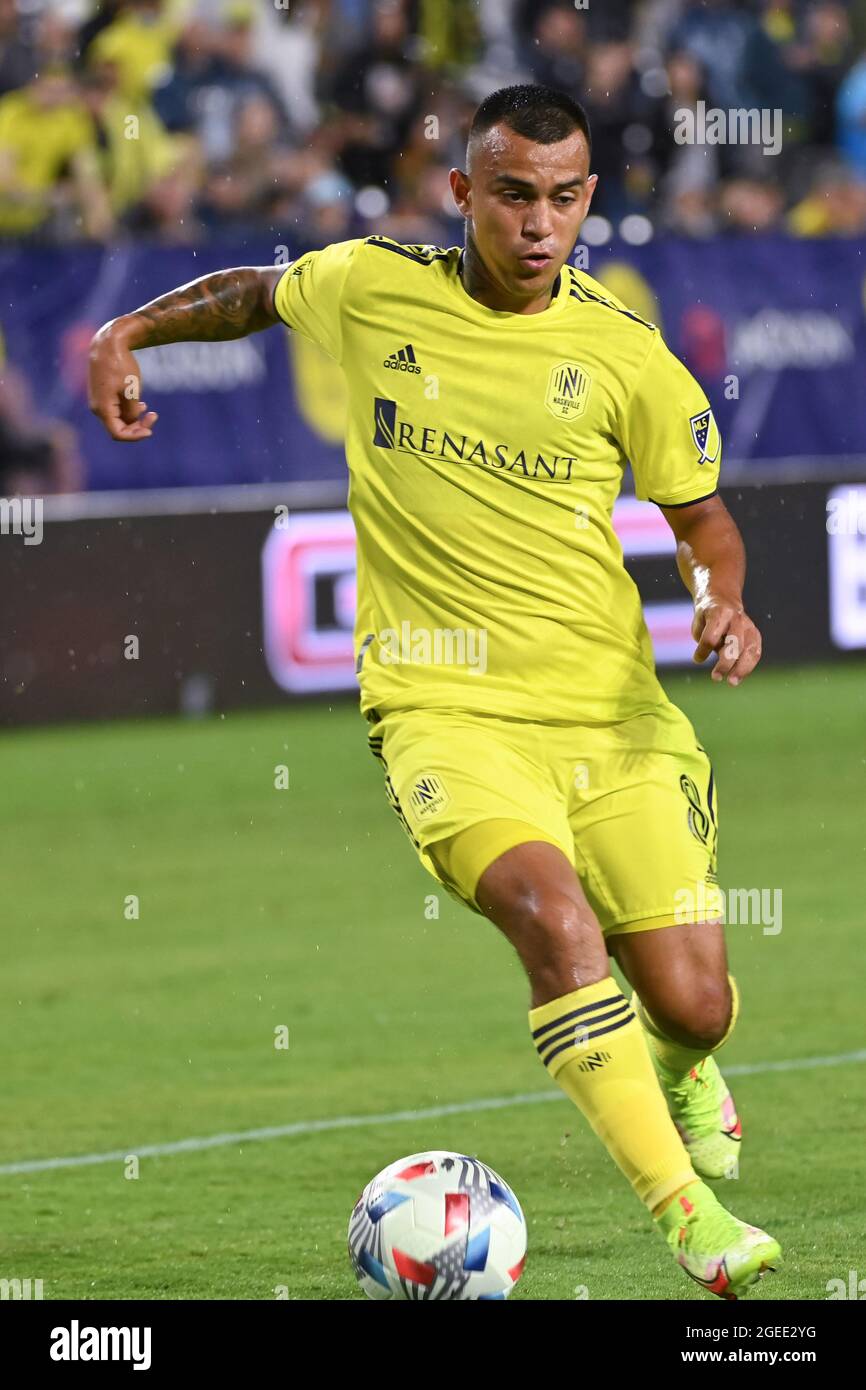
(724, 1255)
(703, 1110)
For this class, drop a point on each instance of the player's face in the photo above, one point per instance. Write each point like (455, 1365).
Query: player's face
(525, 203)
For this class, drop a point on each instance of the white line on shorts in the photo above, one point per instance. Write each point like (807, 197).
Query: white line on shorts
(254, 1136)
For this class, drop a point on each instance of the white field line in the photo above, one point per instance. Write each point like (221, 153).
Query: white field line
(253, 1136)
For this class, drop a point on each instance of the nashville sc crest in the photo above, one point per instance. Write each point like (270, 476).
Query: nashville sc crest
(567, 390)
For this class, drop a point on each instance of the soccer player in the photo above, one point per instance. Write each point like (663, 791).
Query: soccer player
(495, 396)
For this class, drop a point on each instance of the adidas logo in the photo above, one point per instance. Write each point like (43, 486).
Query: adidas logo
(402, 361)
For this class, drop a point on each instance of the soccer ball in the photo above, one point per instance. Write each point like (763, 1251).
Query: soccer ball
(437, 1225)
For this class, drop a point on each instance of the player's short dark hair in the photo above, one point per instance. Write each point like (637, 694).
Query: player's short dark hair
(538, 113)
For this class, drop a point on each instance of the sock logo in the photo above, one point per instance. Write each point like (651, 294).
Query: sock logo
(593, 1061)
(402, 361)
(558, 1040)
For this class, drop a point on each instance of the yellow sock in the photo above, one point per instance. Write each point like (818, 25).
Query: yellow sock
(593, 1045)
(676, 1059)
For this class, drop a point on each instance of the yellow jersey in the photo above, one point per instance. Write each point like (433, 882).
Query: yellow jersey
(485, 452)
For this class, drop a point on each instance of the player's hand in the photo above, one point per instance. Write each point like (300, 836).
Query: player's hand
(114, 387)
(724, 627)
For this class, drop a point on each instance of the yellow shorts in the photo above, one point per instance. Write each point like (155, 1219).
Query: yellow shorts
(632, 805)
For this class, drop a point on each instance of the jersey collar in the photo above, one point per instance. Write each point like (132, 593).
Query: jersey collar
(557, 299)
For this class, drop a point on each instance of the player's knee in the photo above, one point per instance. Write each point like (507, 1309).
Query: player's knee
(550, 917)
(703, 1017)
(558, 940)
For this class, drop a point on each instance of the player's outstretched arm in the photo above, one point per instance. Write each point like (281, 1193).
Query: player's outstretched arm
(212, 309)
(711, 559)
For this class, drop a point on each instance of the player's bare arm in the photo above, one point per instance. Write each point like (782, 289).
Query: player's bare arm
(711, 560)
(213, 309)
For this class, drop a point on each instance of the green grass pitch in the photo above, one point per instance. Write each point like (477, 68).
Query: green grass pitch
(305, 908)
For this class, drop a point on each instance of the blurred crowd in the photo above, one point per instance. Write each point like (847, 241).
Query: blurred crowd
(183, 120)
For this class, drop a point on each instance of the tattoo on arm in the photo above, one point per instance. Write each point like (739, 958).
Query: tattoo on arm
(212, 309)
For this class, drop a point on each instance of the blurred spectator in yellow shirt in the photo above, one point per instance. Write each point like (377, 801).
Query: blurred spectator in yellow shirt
(48, 160)
(140, 42)
(135, 149)
(835, 205)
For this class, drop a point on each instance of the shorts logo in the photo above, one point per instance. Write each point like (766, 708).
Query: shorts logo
(699, 823)
(428, 796)
(568, 387)
(705, 433)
